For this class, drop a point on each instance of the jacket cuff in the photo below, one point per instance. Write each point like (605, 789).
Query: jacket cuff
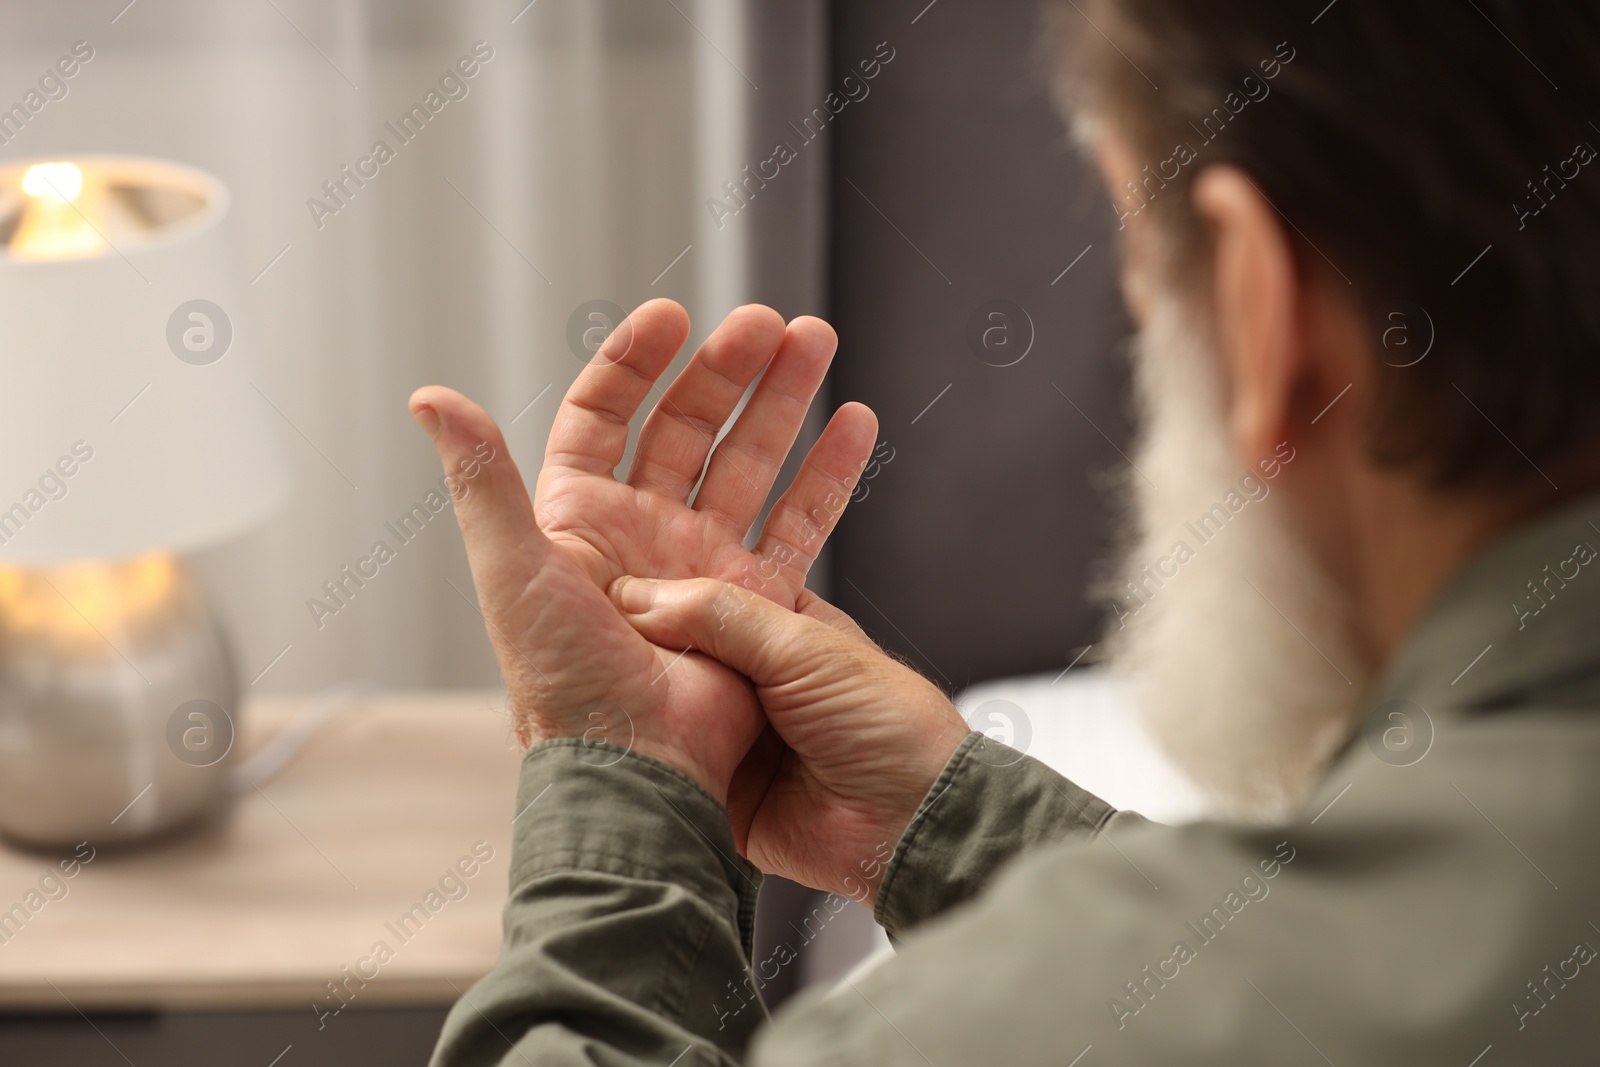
(588, 807)
(990, 804)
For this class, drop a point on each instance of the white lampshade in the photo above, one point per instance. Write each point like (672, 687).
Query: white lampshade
(126, 337)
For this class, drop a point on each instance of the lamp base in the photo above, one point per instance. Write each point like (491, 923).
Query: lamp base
(117, 701)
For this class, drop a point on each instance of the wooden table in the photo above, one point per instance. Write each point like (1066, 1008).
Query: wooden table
(297, 881)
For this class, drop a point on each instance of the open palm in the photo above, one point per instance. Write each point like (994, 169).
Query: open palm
(572, 666)
(646, 524)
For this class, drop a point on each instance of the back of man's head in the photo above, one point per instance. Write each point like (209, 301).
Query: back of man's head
(1441, 153)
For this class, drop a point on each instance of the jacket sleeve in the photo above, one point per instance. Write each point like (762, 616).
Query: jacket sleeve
(989, 805)
(628, 926)
(628, 929)
(1334, 938)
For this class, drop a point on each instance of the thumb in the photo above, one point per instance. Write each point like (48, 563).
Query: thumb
(768, 644)
(491, 501)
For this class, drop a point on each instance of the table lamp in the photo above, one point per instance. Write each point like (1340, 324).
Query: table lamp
(133, 431)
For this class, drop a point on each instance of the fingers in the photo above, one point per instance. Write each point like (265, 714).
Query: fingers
(744, 631)
(748, 458)
(802, 519)
(491, 502)
(591, 428)
(679, 433)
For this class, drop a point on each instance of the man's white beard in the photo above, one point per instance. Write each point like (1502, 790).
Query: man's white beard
(1239, 652)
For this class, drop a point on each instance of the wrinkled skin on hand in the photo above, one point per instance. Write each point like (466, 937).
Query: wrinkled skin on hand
(572, 665)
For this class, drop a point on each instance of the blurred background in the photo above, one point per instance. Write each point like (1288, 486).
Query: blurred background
(600, 155)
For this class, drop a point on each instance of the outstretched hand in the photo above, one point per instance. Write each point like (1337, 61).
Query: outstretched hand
(572, 665)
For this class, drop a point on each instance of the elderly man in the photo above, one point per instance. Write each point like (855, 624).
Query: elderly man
(1362, 246)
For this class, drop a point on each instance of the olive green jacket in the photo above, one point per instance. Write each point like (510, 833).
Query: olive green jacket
(1435, 904)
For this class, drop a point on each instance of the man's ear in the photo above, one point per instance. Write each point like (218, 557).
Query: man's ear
(1256, 297)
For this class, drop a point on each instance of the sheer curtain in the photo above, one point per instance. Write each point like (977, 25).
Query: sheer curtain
(573, 164)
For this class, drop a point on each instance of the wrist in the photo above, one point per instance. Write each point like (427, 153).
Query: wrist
(927, 773)
(607, 743)
(681, 761)
(603, 753)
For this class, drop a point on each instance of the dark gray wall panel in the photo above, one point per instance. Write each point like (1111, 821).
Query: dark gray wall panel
(955, 184)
